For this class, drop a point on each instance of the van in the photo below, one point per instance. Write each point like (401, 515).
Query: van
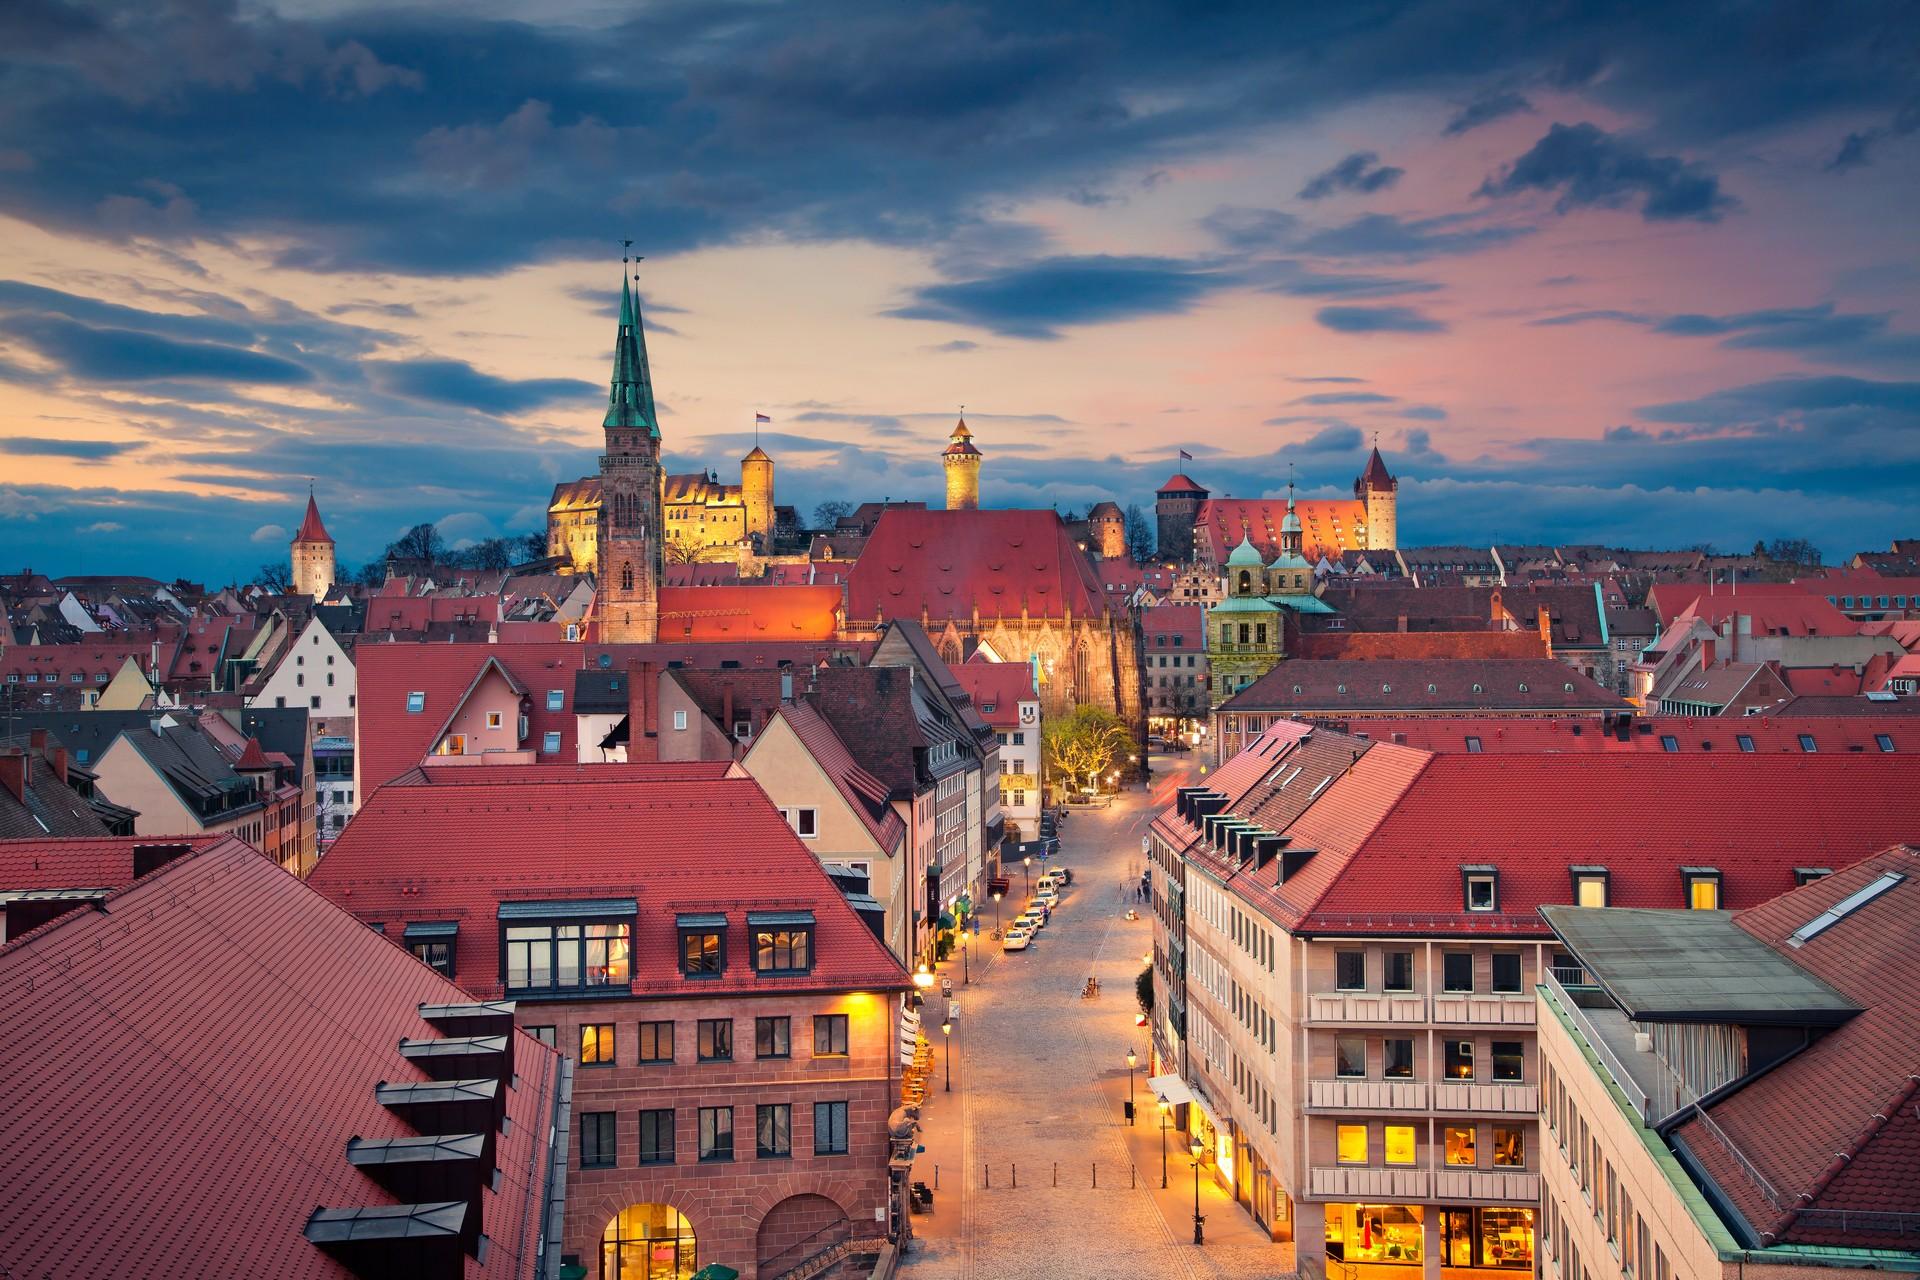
(1050, 882)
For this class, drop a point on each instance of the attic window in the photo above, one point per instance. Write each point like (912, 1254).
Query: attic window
(1476, 688)
(1884, 741)
(416, 702)
(1669, 743)
(1480, 887)
(1745, 741)
(1703, 887)
(1523, 688)
(1473, 745)
(1569, 686)
(1386, 688)
(1807, 744)
(1433, 688)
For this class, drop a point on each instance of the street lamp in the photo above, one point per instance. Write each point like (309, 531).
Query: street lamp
(1028, 861)
(947, 1027)
(1198, 1237)
(996, 911)
(1166, 1115)
(1132, 1061)
(966, 969)
(922, 977)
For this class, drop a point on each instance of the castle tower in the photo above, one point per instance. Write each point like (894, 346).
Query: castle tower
(1380, 491)
(1107, 531)
(962, 462)
(756, 491)
(1290, 574)
(312, 552)
(630, 494)
(1176, 506)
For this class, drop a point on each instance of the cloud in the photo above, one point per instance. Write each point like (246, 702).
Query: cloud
(1377, 320)
(1858, 148)
(1485, 110)
(83, 451)
(1339, 438)
(1327, 378)
(269, 533)
(1424, 413)
(1594, 169)
(1782, 398)
(955, 347)
(1360, 172)
(125, 355)
(1036, 300)
(1388, 236)
(1346, 397)
(1819, 332)
(1588, 317)
(104, 526)
(457, 383)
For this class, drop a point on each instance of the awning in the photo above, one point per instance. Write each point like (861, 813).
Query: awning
(700, 920)
(1171, 1090)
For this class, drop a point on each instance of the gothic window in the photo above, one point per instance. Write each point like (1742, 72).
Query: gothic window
(626, 575)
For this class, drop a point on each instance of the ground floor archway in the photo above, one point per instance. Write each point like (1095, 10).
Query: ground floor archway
(648, 1242)
(797, 1228)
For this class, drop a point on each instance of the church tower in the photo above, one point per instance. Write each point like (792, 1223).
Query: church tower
(630, 490)
(962, 462)
(312, 555)
(1380, 491)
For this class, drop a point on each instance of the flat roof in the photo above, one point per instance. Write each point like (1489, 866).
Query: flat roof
(1693, 966)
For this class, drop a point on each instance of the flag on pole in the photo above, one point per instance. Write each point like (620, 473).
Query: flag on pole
(1185, 456)
(761, 417)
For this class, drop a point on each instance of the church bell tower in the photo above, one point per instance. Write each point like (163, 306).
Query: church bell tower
(630, 489)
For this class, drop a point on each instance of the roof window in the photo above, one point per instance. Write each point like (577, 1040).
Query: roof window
(1480, 886)
(1745, 741)
(1884, 741)
(1843, 908)
(1473, 745)
(1669, 743)
(416, 702)
(1807, 744)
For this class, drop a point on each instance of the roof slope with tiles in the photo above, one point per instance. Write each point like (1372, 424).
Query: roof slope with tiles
(1453, 645)
(458, 849)
(1170, 625)
(1421, 684)
(748, 613)
(186, 1064)
(948, 564)
(864, 794)
(1328, 526)
(1592, 734)
(1776, 608)
(1858, 1151)
(997, 689)
(86, 862)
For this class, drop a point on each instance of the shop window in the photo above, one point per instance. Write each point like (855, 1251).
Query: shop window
(1461, 1149)
(656, 1042)
(1506, 1238)
(1459, 1060)
(1350, 1056)
(1506, 973)
(1509, 1147)
(1397, 1059)
(1350, 971)
(772, 1037)
(1509, 1059)
(1457, 971)
(1351, 1142)
(1374, 1232)
(1399, 971)
(1399, 1144)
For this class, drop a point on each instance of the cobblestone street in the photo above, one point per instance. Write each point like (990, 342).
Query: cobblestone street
(1039, 1079)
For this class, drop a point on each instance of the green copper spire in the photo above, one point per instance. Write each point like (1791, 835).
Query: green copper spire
(630, 399)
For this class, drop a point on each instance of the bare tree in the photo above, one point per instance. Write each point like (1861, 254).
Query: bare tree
(1798, 551)
(275, 577)
(1139, 534)
(422, 542)
(828, 514)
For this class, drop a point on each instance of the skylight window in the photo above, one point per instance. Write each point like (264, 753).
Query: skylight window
(1842, 909)
(1745, 741)
(1807, 743)
(416, 702)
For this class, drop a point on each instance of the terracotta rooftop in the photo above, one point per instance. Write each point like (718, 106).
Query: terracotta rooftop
(1180, 483)
(1631, 732)
(1328, 526)
(949, 563)
(997, 690)
(1456, 645)
(1421, 685)
(1776, 608)
(311, 529)
(736, 614)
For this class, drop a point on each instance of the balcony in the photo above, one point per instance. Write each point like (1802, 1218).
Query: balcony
(1342, 1182)
(1484, 1011)
(1480, 1184)
(1500, 1099)
(1351, 1007)
(1366, 1095)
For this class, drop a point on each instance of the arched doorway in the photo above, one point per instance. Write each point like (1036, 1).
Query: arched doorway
(648, 1242)
(798, 1228)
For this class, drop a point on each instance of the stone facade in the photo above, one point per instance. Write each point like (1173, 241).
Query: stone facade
(1176, 505)
(312, 556)
(961, 462)
(631, 530)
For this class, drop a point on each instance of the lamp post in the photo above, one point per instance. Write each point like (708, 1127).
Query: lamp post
(996, 913)
(1198, 1237)
(966, 939)
(947, 1028)
(1166, 1114)
(1028, 868)
(922, 978)
(1132, 1061)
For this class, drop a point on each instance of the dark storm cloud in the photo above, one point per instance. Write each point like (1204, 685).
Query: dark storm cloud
(1361, 173)
(1038, 299)
(1494, 106)
(126, 355)
(1592, 168)
(84, 451)
(458, 383)
(1377, 320)
(1817, 332)
(1858, 148)
(1384, 235)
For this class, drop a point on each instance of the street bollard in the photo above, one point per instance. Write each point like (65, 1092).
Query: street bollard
(1096, 1177)
(1132, 1174)
(1016, 1177)
(986, 1177)
(936, 1177)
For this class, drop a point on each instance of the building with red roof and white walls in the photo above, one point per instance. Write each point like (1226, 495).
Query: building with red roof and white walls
(1004, 696)
(731, 1017)
(1348, 937)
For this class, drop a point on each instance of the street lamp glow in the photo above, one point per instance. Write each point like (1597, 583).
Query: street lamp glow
(922, 978)
(1133, 1059)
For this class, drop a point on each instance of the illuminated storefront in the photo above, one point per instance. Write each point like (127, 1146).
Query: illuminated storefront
(1392, 1233)
(1374, 1232)
(1500, 1237)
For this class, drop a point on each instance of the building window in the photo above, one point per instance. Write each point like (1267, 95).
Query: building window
(1482, 886)
(550, 743)
(1506, 973)
(1884, 741)
(567, 957)
(716, 1133)
(1669, 743)
(1351, 1144)
(679, 720)
(556, 699)
(656, 1137)
(1399, 971)
(1807, 875)
(829, 1128)
(1703, 887)
(1590, 886)
(1744, 741)
(1397, 1061)
(830, 1035)
(597, 1140)
(1807, 744)
(716, 1040)
(1459, 1060)
(656, 1042)
(596, 1044)
(773, 1131)
(773, 1037)
(1350, 1056)
(1350, 971)
(1457, 971)
(435, 953)
(1508, 1060)
(544, 1035)
(805, 823)
(703, 952)
(783, 950)
(416, 702)
(1461, 1146)
(1399, 1144)
(1509, 1147)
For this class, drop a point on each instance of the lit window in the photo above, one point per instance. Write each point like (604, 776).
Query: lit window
(571, 956)
(1703, 888)
(703, 947)
(1399, 1144)
(493, 719)
(1590, 886)
(1509, 1147)
(1461, 1147)
(1509, 1060)
(1459, 1064)
(416, 702)
(596, 1044)
(780, 946)
(1352, 1144)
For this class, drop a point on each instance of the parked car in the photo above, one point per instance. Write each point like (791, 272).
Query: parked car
(1156, 743)
(1032, 919)
(1017, 939)
(1047, 898)
(1179, 744)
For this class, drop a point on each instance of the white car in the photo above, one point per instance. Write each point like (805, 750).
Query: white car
(1030, 921)
(1047, 898)
(1017, 939)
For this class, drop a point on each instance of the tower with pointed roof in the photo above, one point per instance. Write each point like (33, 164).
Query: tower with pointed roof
(1176, 506)
(962, 463)
(1380, 491)
(756, 493)
(312, 554)
(630, 489)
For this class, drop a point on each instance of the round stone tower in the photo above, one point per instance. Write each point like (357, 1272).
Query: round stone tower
(962, 463)
(756, 491)
(1381, 492)
(312, 553)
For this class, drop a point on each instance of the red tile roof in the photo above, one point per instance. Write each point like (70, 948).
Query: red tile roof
(1777, 608)
(1161, 622)
(1375, 476)
(997, 689)
(865, 795)
(690, 844)
(748, 613)
(1358, 686)
(1455, 645)
(949, 563)
(1591, 734)
(311, 530)
(1178, 482)
(84, 862)
(186, 1065)
(1858, 1150)
(704, 574)
(1328, 526)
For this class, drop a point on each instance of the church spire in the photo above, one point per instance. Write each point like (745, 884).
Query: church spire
(630, 398)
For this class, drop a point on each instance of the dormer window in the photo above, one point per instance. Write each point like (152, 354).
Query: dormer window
(703, 945)
(782, 942)
(1481, 888)
(431, 942)
(1589, 886)
(1703, 887)
(567, 947)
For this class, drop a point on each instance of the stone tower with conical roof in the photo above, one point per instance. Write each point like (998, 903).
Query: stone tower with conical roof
(630, 490)
(962, 463)
(312, 553)
(1381, 492)
(756, 493)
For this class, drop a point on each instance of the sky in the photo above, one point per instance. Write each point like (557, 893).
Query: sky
(1644, 274)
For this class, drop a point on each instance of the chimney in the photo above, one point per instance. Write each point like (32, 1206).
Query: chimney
(58, 759)
(15, 772)
(1707, 649)
(786, 686)
(37, 738)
